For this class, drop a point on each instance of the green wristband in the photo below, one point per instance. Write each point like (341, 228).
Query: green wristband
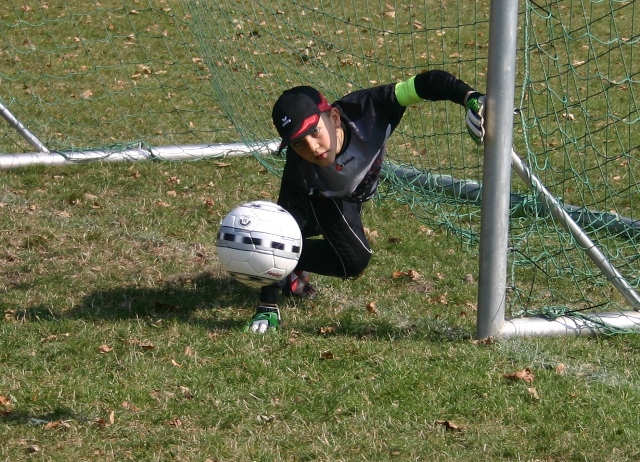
(406, 92)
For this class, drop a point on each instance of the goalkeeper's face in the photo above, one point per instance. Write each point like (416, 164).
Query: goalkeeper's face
(323, 144)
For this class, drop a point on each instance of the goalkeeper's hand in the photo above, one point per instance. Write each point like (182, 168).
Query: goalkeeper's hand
(266, 318)
(475, 120)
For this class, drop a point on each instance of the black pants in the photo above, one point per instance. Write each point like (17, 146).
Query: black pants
(334, 243)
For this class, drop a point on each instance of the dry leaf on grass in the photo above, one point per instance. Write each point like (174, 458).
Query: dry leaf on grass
(484, 341)
(326, 355)
(265, 419)
(409, 274)
(130, 406)
(440, 299)
(175, 422)
(449, 425)
(104, 349)
(371, 234)
(57, 425)
(525, 375)
(327, 330)
(185, 392)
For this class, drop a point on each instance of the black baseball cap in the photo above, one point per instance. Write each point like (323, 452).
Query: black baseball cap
(297, 112)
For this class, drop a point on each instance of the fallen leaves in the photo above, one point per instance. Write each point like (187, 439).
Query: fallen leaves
(175, 422)
(441, 299)
(265, 419)
(104, 349)
(110, 420)
(327, 354)
(449, 425)
(410, 274)
(185, 392)
(147, 346)
(327, 330)
(54, 337)
(524, 374)
(126, 405)
(372, 235)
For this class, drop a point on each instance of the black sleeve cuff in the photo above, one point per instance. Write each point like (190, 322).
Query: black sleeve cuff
(438, 85)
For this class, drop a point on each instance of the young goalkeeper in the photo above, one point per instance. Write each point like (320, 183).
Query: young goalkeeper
(334, 155)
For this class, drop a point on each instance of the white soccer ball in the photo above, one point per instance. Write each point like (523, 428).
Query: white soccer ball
(259, 243)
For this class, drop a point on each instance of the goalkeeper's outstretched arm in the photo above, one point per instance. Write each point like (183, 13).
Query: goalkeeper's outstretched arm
(439, 85)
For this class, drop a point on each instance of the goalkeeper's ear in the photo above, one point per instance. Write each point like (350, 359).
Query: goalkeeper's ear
(334, 117)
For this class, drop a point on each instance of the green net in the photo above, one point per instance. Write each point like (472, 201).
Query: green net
(580, 136)
(115, 73)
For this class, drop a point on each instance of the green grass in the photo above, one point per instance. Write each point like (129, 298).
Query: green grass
(122, 340)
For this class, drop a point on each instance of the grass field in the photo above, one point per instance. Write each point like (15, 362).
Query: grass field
(122, 339)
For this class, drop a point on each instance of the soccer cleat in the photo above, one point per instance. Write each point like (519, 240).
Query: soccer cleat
(297, 285)
(266, 318)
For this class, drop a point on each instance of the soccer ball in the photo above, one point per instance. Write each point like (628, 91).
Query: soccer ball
(259, 243)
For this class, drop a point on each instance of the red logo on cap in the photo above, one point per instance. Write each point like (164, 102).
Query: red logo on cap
(306, 125)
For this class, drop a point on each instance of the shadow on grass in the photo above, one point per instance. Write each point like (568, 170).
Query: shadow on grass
(203, 299)
(221, 303)
(24, 417)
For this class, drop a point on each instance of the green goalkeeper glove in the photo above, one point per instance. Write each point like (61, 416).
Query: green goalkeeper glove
(475, 120)
(266, 318)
